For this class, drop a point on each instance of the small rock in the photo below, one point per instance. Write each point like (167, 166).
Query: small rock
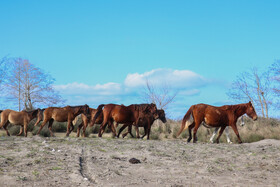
(134, 161)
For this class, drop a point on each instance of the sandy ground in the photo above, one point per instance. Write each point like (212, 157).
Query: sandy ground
(38, 161)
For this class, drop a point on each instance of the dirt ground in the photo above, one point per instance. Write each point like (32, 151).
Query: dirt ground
(39, 161)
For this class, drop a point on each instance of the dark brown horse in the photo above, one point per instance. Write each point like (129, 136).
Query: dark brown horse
(17, 118)
(64, 114)
(146, 121)
(212, 116)
(122, 114)
(86, 119)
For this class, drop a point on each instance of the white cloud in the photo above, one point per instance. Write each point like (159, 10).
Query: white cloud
(157, 77)
(84, 89)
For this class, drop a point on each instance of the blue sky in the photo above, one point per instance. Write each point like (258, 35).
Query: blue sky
(101, 51)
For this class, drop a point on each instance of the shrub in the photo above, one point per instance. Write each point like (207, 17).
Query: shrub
(44, 132)
(59, 127)
(14, 129)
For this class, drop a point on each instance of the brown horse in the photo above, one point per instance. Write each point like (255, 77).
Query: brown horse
(63, 114)
(212, 116)
(86, 119)
(17, 118)
(146, 121)
(122, 114)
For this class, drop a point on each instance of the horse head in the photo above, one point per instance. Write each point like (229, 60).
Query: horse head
(250, 111)
(85, 109)
(161, 115)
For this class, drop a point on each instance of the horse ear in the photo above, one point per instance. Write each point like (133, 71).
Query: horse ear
(250, 103)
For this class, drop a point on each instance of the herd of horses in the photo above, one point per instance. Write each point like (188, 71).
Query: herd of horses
(137, 115)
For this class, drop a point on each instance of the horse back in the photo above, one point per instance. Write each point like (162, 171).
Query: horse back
(119, 113)
(211, 115)
(56, 113)
(16, 118)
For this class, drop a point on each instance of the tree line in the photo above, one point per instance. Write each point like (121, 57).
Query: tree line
(25, 85)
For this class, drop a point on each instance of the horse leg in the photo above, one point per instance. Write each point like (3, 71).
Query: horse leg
(145, 132)
(130, 130)
(149, 131)
(25, 128)
(70, 127)
(233, 126)
(137, 131)
(50, 126)
(111, 123)
(78, 129)
(42, 125)
(220, 133)
(227, 134)
(20, 132)
(121, 129)
(102, 128)
(197, 124)
(5, 127)
(85, 123)
(214, 134)
(190, 132)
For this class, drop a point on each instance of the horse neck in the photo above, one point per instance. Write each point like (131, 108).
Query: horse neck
(240, 110)
(29, 114)
(77, 110)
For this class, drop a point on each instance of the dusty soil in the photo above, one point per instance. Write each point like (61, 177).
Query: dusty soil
(38, 161)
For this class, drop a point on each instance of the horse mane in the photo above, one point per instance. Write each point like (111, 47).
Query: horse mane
(234, 108)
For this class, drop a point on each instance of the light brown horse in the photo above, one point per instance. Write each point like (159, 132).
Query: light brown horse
(146, 121)
(86, 119)
(122, 114)
(17, 118)
(212, 116)
(63, 114)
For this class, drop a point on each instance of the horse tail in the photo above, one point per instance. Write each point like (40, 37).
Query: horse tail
(98, 112)
(1, 111)
(187, 120)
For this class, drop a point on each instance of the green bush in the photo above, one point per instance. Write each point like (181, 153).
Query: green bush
(14, 129)
(59, 127)
(44, 132)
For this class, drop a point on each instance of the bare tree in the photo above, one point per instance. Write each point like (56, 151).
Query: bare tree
(3, 70)
(13, 84)
(275, 71)
(162, 96)
(30, 86)
(241, 90)
(254, 87)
